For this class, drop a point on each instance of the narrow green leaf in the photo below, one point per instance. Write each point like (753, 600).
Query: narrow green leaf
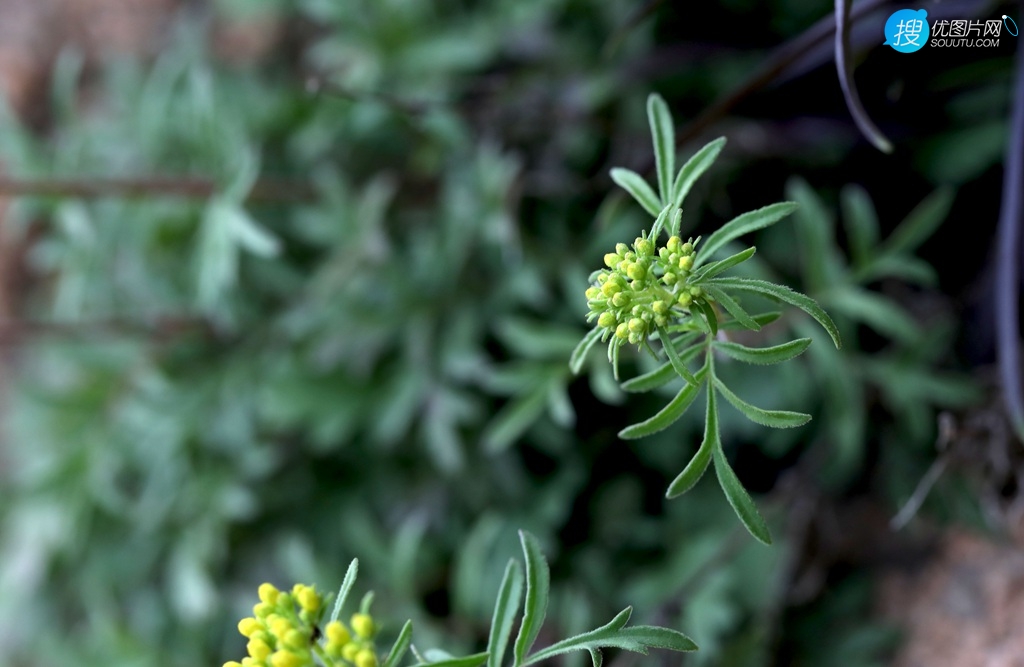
(764, 355)
(579, 355)
(505, 608)
(743, 224)
(677, 219)
(635, 185)
(699, 463)
(468, 661)
(668, 414)
(782, 293)
(638, 639)
(714, 268)
(732, 307)
(821, 264)
(661, 375)
(709, 314)
(615, 358)
(860, 221)
(693, 169)
(878, 312)
(536, 607)
(401, 645)
(514, 418)
(596, 657)
(346, 586)
(770, 418)
(903, 267)
(659, 224)
(740, 500)
(673, 357)
(584, 640)
(920, 224)
(762, 319)
(664, 138)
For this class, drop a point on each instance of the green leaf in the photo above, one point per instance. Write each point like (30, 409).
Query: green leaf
(668, 414)
(903, 267)
(709, 314)
(635, 185)
(714, 268)
(821, 263)
(860, 221)
(920, 224)
(677, 219)
(770, 418)
(659, 224)
(740, 499)
(468, 661)
(401, 645)
(733, 308)
(661, 375)
(673, 357)
(638, 639)
(505, 609)
(782, 293)
(699, 463)
(615, 358)
(693, 169)
(878, 312)
(664, 138)
(514, 418)
(764, 355)
(536, 607)
(346, 586)
(762, 319)
(579, 355)
(743, 224)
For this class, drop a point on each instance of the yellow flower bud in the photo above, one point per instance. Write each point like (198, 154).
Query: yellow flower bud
(636, 271)
(622, 331)
(607, 320)
(308, 599)
(362, 624)
(637, 325)
(279, 625)
(644, 248)
(659, 307)
(258, 649)
(366, 658)
(593, 293)
(621, 249)
(262, 610)
(247, 626)
(285, 659)
(686, 262)
(349, 651)
(696, 291)
(621, 299)
(295, 638)
(673, 244)
(610, 288)
(268, 593)
(669, 278)
(612, 260)
(685, 299)
(337, 633)
(687, 248)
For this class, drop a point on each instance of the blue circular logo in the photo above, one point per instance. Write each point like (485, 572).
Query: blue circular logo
(907, 30)
(1007, 18)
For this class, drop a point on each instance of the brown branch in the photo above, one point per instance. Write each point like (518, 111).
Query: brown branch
(188, 187)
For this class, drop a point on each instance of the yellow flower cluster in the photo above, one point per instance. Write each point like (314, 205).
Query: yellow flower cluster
(283, 632)
(642, 287)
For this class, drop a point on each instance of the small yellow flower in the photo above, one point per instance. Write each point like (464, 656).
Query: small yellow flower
(308, 599)
(363, 625)
(366, 658)
(258, 649)
(349, 651)
(285, 659)
(247, 626)
(337, 633)
(268, 593)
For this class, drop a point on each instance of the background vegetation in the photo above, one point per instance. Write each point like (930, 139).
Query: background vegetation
(334, 320)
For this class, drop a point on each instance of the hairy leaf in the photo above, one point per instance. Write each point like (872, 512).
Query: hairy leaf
(536, 606)
(635, 185)
(740, 500)
(669, 414)
(505, 609)
(743, 224)
(579, 354)
(771, 418)
(699, 463)
(782, 293)
(692, 170)
(664, 138)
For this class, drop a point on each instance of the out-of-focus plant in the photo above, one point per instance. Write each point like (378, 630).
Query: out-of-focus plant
(674, 292)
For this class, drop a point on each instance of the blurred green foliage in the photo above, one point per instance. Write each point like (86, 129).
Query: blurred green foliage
(238, 392)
